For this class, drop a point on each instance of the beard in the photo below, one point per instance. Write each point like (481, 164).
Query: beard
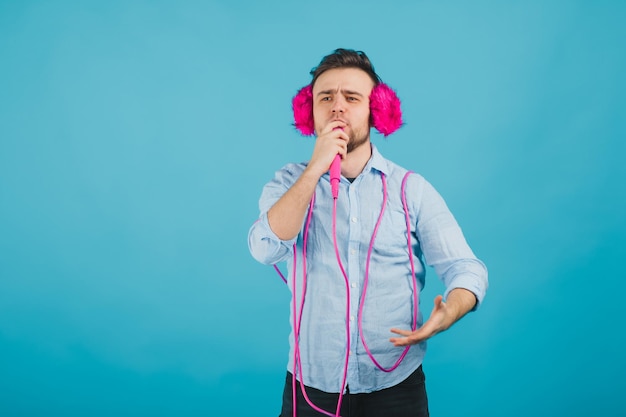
(357, 139)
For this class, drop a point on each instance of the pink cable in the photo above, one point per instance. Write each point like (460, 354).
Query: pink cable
(367, 267)
(345, 276)
(297, 330)
(298, 321)
(297, 357)
(408, 240)
(298, 318)
(297, 348)
(280, 274)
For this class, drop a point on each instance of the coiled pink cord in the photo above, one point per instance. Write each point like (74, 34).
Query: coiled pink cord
(298, 317)
(367, 268)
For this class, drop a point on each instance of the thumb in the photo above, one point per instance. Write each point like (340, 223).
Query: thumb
(439, 302)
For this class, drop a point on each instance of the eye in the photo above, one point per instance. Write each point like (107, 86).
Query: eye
(326, 98)
(352, 99)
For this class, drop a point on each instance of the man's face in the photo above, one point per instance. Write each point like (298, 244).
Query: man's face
(343, 94)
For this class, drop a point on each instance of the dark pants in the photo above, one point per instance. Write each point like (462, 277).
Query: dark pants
(407, 399)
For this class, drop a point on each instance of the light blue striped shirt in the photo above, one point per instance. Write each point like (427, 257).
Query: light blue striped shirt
(435, 238)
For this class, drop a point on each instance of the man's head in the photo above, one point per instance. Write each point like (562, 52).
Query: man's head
(384, 105)
(342, 94)
(342, 85)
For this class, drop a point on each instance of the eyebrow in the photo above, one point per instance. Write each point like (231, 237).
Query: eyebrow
(347, 92)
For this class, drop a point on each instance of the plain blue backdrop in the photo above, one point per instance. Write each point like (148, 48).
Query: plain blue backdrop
(135, 138)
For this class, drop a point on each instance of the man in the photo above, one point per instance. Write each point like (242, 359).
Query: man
(357, 342)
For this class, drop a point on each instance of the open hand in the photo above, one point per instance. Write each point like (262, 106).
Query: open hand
(438, 322)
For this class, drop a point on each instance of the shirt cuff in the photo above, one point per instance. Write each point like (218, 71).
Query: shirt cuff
(471, 282)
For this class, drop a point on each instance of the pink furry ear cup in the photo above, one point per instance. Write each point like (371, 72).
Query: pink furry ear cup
(385, 111)
(302, 105)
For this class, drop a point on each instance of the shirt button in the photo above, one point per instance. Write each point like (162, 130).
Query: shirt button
(353, 220)
(351, 318)
(353, 251)
(353, 285)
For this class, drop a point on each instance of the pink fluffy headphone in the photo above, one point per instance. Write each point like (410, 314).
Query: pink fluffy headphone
(385, 112)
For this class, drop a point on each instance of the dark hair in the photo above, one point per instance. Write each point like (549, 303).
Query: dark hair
(345, 58)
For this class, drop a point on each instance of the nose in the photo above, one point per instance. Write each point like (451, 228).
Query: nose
(338, 105)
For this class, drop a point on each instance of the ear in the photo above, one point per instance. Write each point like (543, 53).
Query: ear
(302, 105)
(385, 112)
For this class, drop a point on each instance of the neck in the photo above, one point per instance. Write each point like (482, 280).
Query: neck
(354, 162)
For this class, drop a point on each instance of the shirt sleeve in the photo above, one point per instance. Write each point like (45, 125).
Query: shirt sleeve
(444, 245)
(263, 243)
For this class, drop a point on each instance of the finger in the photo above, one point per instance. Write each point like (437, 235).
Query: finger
(337, 135)
(401, 332)
(333, 125)
(404, 341)
(399, 341)
(439, 301)
(341, 140)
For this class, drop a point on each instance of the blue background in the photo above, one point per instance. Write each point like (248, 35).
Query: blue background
(135, 138)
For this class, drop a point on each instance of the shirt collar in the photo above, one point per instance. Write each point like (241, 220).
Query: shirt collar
(377, 162)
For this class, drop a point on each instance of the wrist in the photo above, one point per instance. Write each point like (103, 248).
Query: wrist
(460, 301)
(313, 173)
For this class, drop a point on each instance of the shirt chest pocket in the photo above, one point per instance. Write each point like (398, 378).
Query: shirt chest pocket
(390, 243)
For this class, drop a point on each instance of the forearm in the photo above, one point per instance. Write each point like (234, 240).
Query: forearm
(286, 215)
(459, 302)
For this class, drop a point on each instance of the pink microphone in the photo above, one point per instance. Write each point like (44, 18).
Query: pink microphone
(335, 175)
